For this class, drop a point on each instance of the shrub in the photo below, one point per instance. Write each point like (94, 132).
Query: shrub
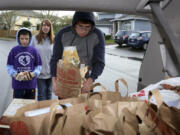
(107, 37)
(26, 24)
(38, 27)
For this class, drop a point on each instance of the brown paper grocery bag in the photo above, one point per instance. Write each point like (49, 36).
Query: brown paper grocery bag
(22, 125)
(130, 124)
(70, 79)
(103, 113)
(162, 119)
(115, 95)
(58, 120)
(105, 116)
(67, 121)
(74, 119)
(127, 123)
(109, 96)
(170, 115)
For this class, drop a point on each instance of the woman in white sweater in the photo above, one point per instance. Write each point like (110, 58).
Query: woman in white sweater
(43, 42)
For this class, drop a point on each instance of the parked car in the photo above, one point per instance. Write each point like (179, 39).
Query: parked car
(139, 39)
(121, 37)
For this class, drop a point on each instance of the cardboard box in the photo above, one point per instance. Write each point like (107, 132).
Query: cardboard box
(11, 110)
(15, 105)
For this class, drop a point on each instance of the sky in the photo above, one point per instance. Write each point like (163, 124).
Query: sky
(58, 13)
(64, 13)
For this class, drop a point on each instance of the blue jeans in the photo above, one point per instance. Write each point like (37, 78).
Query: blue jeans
(44, 89)
(24, 93)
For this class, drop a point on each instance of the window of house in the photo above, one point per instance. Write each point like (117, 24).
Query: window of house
(126, 25)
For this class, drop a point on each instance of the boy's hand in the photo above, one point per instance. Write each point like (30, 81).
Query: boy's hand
(24, 76)
(30, 75)
(19, 76)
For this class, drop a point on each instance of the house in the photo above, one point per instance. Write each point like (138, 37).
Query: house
(26, 15)
(110, 23)
(16, 19)
(131, 22)
(103, 22)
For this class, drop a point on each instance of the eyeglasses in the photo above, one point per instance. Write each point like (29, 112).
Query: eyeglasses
(81, 27)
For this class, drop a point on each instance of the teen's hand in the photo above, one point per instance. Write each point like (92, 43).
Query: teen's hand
(86, 85)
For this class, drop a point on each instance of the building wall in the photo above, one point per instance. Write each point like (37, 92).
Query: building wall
(141, 25)
(126, 25)
(20, 19)
(134, 25)
(106, 30)
(105, 16)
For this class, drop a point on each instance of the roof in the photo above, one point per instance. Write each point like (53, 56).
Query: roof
(141, 31)
(130, 17)
(103, 21)
(29, 13)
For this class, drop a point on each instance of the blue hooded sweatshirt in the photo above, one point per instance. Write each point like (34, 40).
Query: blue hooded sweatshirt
(91, 48)
(23, 59)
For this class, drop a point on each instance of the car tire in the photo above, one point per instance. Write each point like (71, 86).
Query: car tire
(120, 45)
(145, 46)
(134, 47)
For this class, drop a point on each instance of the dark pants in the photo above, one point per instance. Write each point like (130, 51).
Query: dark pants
(44, 89)
(25, 93)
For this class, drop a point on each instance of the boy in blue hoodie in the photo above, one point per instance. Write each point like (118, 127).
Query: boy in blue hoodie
(24, 65)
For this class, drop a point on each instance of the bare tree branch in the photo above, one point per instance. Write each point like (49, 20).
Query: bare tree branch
(9, 17)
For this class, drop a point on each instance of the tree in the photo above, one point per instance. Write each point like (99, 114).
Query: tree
(57, 22)
(47, 14)
(65, 20)
(26, 24)
(9, 17)
(38, 27)
(62, 21)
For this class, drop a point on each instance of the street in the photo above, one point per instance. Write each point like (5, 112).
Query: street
(120, 63)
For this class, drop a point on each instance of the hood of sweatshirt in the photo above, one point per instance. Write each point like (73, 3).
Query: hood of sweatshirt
(83, 15)
(30, 38)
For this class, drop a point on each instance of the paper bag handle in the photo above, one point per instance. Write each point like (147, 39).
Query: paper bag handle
(96, 93)
(157, 97)
(53, 109)
(97, 84)
(159, 101)
(123, 82)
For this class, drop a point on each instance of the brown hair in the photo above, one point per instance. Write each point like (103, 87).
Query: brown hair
(39, 36)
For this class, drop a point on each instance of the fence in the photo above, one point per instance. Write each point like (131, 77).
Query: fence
(4, 33)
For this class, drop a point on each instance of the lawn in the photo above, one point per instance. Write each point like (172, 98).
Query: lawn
(109, 42)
